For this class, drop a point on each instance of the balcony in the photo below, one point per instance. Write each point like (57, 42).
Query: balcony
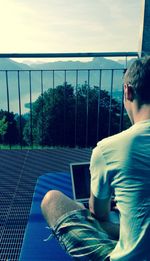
(85, 105)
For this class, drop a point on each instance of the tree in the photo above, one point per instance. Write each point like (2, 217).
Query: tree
(94, 110)
(51, 114)
(68, 117)
(10, 131)
(3, 128)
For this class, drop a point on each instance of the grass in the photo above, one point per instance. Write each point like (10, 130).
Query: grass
(18, 147)
(34, 147)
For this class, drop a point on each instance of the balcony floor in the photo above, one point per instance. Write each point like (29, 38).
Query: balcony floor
(19, 170)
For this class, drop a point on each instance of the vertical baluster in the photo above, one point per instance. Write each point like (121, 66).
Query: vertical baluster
(65, 83)
(53, 85)
(31, 127)
(98, 105)
(42, 92)
(122, 107)
(76, 103)
(110, 104)
(19, 99)
(7, 89)
(8, 106)
(87, 110)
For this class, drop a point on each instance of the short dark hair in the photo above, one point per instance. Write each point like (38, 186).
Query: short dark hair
(138, 76)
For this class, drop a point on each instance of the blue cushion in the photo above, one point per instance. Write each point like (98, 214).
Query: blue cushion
(34, 248)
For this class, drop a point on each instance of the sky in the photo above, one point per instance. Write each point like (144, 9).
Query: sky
(36, 26)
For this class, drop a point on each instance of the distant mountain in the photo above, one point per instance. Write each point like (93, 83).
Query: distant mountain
(59, 78)
(96, 63)
(129, 62)
(8, 64)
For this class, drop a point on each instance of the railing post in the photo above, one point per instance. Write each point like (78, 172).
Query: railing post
(87, 109)
(30, 87)
(76, 102)
(122, 110)
(65, 84)
(20, 120)
(110, 104)
(7, 88)
(42, 93)
(8, 107)
(53, 84)
(98, 104)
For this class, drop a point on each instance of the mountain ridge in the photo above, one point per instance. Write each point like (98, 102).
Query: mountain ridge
(48, 81)
(102, 63)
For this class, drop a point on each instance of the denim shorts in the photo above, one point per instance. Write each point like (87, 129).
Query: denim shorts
(82, 237)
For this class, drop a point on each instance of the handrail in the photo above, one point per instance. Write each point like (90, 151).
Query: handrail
(67, 55)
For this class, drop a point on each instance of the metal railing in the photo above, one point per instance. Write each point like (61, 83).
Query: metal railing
(99, 88)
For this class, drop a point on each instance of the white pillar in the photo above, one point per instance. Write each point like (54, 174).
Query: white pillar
(144, 41)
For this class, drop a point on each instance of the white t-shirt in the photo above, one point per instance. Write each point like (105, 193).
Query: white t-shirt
(121, 164)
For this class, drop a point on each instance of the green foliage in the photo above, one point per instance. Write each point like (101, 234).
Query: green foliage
(8, 128)
(67, 117)
(3, 126)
